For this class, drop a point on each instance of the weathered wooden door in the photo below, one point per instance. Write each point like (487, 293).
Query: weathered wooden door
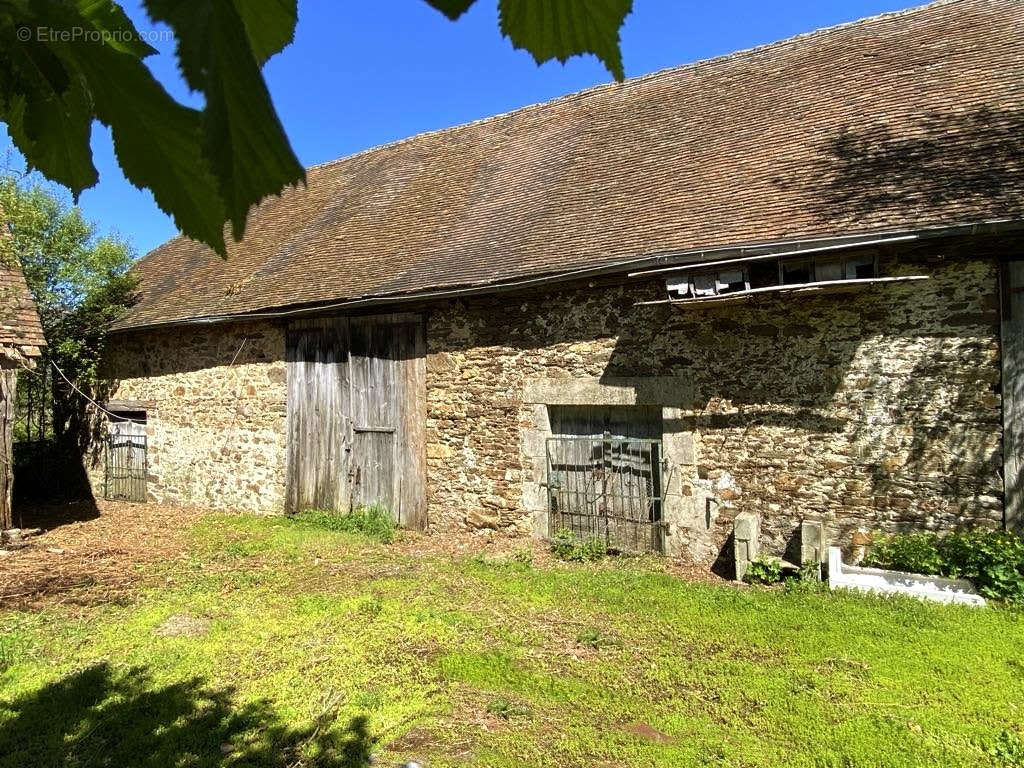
(357, 415)
(1012, 335)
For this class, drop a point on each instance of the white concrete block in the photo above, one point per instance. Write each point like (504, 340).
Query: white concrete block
(842, 576)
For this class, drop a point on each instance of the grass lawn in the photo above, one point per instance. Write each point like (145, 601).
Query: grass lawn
(272, 643)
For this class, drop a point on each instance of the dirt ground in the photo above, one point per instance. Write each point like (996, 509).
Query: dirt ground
(89, 553)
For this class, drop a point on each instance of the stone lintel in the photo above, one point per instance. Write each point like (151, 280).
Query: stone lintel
(633, 390)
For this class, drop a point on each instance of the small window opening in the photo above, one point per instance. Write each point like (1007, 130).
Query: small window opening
(764, 274)
(860, 268)
(730, 281)
(704, 284)
(828, 269)
(796, 272)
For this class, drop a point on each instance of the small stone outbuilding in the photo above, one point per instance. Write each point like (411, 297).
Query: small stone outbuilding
(785, 281)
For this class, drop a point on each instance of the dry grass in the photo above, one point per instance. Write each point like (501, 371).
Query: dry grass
(89, 553)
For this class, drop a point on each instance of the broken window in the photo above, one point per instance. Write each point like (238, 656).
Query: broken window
(795, 272)
(860, 268)
(764, 273)
(731, 280)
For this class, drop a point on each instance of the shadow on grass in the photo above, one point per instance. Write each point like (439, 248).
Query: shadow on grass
(103, 717)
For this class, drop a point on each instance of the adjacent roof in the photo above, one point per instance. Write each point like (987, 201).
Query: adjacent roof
(900, 121)
(20, 328)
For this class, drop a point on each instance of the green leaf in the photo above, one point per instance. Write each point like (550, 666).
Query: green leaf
(156, 139)
(48, 113)
(243, 139)
(120, 33)
(559, 29)
(266, 39)
(451, 8)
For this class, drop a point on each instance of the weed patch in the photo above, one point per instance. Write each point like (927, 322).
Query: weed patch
(993, 560)
(566, 545)
(373, 522)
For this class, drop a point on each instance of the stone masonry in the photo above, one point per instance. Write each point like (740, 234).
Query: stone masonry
(216, 412)
(872, 409)
(878, 408)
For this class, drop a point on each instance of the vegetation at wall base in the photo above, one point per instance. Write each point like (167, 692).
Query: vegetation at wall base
(374, 522)
(567, 545)
(764, 570)
(993, 560)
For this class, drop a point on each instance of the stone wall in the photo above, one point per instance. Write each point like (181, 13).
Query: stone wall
(216, 412)
(872, 409)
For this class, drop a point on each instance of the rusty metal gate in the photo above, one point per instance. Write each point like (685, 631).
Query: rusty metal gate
(607, 488)
(125, 467)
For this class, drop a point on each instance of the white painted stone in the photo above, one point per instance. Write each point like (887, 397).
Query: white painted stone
(842, 576)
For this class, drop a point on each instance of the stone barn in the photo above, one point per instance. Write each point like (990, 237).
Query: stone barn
(21, 340)
(786, 281)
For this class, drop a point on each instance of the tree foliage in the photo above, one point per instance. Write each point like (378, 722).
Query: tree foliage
(66, 63)
(80, 282)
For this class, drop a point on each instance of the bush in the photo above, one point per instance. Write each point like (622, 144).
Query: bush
(993, 560)
(763, 570)
(566, 545)
(911, 552)
(374, 522)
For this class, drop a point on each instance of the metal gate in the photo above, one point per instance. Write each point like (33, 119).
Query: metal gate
(607, 488)
(126, 467)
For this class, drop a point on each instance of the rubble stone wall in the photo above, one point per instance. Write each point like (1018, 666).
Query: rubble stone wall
(216, 398)
(873, 409)
(877, 408)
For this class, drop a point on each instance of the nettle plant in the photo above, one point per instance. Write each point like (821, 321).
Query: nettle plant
(993, 560)
(566, 545)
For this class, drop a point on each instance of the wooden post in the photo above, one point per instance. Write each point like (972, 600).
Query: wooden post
(1012, 342)
(8, 381)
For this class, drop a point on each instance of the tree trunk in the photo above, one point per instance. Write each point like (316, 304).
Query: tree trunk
(8, 380)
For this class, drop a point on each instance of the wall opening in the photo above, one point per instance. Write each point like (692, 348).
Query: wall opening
(605, 475)
(126, 456)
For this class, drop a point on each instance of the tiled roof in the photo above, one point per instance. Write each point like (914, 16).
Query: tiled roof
(19, 322)
(900, 121)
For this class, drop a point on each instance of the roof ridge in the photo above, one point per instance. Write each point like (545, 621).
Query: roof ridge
(658, 73)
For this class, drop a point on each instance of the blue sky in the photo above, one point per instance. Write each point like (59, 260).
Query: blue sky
(362, 74)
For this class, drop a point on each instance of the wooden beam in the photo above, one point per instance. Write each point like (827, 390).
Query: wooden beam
(1012, 349)
(824, 286)
(8, 384)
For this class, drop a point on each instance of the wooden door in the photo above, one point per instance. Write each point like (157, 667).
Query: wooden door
(319, 422)
(356, 438)
(1012, 335)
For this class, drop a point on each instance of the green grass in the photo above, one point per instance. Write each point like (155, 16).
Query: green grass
(326, 646)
